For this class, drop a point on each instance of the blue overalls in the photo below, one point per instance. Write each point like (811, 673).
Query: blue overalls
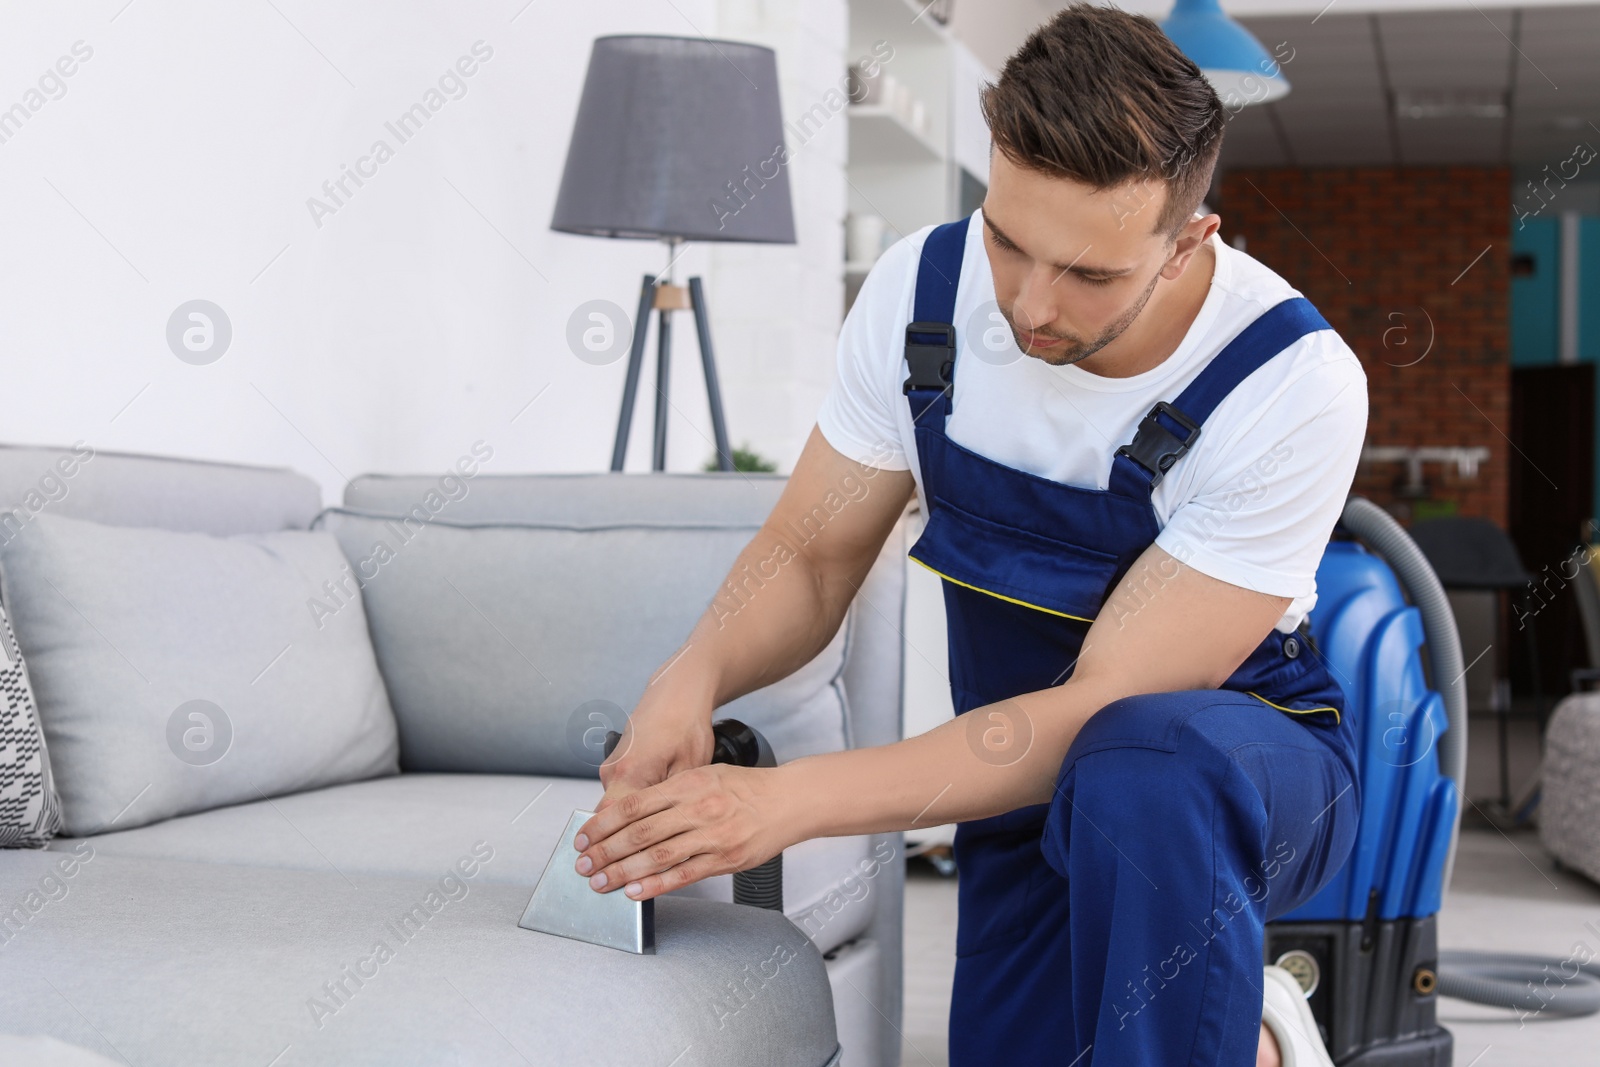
(1120, 923)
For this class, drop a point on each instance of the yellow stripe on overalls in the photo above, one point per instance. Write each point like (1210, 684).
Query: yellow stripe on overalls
(1295, 711)
(1080, 618)
(998, 596)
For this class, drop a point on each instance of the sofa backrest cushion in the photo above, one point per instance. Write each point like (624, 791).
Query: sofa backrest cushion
(874, 646)
(513, 647)
(586, 499)
(124, 489)
(177, 672)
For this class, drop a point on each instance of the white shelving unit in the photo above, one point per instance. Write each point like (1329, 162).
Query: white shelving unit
(881, 138)
(913, 175)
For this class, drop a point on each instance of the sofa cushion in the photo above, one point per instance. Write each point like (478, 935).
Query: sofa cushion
(412, 825)
(511, 647)
(875, 643)
(597, 499)
(30, 812)
(36, 1050)
(250, 965)
(128, 489)
(178, 671)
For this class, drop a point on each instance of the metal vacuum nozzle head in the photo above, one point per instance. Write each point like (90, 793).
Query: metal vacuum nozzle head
(563, 904)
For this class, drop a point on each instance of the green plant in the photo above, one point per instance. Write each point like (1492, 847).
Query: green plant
(745, 459)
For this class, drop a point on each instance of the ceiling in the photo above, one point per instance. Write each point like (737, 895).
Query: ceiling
(1515, 86)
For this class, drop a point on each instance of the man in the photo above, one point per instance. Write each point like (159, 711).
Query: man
(1127, 509)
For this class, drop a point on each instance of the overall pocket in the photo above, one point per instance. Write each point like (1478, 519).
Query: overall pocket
(1022, 567)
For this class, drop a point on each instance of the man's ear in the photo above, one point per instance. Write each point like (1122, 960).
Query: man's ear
(1186, 242)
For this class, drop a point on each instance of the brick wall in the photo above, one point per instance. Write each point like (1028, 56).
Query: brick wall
(1381, 252)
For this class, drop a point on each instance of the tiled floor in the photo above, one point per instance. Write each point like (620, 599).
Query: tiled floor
(1507, 895)
(930, 966)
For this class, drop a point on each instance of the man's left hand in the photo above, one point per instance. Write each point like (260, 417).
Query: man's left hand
(710, 820)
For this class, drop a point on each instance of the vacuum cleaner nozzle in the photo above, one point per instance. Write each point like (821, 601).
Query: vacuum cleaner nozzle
(563, 904)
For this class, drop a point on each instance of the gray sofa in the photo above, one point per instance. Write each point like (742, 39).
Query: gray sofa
(372, 918)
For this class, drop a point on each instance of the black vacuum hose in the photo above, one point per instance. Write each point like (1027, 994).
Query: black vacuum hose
(1536, 985)
(743, 746)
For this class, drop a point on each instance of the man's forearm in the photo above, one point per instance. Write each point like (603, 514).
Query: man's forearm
(1165, 627)
(991, 760)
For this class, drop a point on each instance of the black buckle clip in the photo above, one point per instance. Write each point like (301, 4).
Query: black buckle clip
(930, 364)
(1156, 448)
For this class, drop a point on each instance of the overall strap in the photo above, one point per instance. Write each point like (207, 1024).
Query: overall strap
(1170, 429)
(931, 336)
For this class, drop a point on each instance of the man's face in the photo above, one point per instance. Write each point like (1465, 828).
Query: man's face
(1074, 267)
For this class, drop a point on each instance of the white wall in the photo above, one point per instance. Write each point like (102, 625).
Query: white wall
(777, 310)
(994, 30)
(430, 308)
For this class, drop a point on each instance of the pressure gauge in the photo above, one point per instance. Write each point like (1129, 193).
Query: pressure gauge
(1303, 965)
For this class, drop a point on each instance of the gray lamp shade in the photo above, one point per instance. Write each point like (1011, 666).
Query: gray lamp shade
(678, 137)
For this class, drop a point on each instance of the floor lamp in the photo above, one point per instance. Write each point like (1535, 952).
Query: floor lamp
(677, 139)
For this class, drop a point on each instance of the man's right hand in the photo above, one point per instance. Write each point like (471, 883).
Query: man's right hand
(667, 733)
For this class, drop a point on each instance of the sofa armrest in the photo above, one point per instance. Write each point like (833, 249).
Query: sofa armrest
(874, 664)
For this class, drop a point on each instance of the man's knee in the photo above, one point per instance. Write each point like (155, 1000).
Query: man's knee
(1141, 762)
(1158, 721)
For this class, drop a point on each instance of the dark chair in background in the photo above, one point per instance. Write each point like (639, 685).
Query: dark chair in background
(1472, 554)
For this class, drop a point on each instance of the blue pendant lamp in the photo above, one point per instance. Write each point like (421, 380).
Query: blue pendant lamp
(1233, 61)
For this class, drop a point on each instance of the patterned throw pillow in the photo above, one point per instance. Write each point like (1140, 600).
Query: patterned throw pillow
(30, 813)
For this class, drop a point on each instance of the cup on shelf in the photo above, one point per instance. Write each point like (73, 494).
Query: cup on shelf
(862, 88)
(919, 117)
(863, 238)
(902, 101)
(889, 91)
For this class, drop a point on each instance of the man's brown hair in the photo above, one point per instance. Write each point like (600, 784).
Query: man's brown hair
(1103, 97)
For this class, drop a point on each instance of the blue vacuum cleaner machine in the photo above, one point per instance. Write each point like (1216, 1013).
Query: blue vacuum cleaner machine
(1365, 949)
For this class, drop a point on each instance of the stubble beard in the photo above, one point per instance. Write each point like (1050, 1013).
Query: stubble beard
(1076, 351)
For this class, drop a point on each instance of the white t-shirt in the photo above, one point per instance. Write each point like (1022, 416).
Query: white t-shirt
(1254, 500)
